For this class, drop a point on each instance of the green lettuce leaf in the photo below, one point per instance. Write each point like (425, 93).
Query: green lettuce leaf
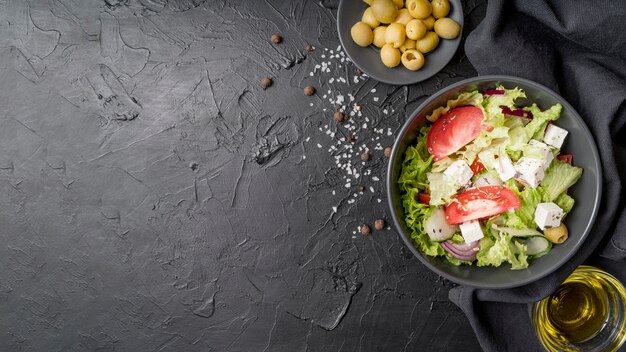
(467, 98)
(441, 189)
(417, 162)
(500, 249)
(559, 177)
(565, 202)
(482, 142)
(524, 217)
(492, 104)
(520, 136)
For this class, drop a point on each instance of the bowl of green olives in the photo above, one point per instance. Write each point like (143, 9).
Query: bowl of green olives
(400, 41)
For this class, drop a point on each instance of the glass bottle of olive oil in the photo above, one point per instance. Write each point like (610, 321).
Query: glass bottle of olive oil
(586, 313)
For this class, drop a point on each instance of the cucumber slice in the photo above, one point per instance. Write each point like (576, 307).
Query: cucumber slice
(536, 246)
(437, 228)
(517, 232)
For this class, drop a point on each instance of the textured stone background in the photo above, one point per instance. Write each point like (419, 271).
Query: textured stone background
(155, 198)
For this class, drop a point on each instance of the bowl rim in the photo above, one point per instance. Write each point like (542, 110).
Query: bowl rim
(389, 182)
(384, 79)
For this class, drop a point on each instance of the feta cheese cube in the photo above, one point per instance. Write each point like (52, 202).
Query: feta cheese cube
(548, 215)
(459, 172)
(471, 231)
(530, 171)
(504, 167)
(543, 152)
(487, 179)
(555, 136)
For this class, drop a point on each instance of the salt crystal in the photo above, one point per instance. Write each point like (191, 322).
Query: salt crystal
(379, 200)
(372, 189)
(373, 90)
(319, 145)
(334, 209)
(375, 178)
(375, 98)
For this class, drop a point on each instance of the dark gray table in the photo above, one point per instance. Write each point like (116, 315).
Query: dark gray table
(155, 198)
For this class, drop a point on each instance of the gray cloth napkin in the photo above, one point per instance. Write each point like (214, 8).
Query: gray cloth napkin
(577, 48)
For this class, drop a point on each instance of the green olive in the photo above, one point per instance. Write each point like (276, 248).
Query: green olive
(419, 8)
(415, 29)
(362, 34)
(403, 17)
(441, 8)
(395, 35)
(429, 22)
(447, 28)
(379, 36)
(385, 10)
(390, 55)
(428, 43)
(369, 19)
(408, 44)
(412, 59)
(399, 3)
(557, 234)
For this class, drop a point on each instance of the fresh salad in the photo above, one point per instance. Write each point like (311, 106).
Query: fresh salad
(486, 182)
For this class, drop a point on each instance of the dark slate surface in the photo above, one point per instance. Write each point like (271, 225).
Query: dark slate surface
(155, 198)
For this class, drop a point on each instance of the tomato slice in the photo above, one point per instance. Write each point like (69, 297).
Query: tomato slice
(477, 167)
(568, 158)
(424, 198)
(481, 203)
(454, 130)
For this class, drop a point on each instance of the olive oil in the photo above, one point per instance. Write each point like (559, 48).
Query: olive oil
(586, 313)
(578, 310)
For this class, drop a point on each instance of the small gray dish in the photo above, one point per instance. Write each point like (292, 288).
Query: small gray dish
(368, 59)
(587, 192)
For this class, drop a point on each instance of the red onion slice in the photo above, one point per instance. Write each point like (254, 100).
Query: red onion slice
(462, 251)
(517, 112)
(493, 92)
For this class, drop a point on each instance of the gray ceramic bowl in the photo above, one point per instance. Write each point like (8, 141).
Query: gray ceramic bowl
(368, 59)
(586, 192)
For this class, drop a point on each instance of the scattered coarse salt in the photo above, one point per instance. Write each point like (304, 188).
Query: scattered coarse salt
(310, 104)
(379, 200)
(348, 185)
(372, 189)
(307, 139)
(334, 192)
(335, 209)
(375, 98)
(319, 145)
(375, 178)
(373, 90)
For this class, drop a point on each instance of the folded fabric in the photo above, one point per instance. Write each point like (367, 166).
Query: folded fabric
(577, 48)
